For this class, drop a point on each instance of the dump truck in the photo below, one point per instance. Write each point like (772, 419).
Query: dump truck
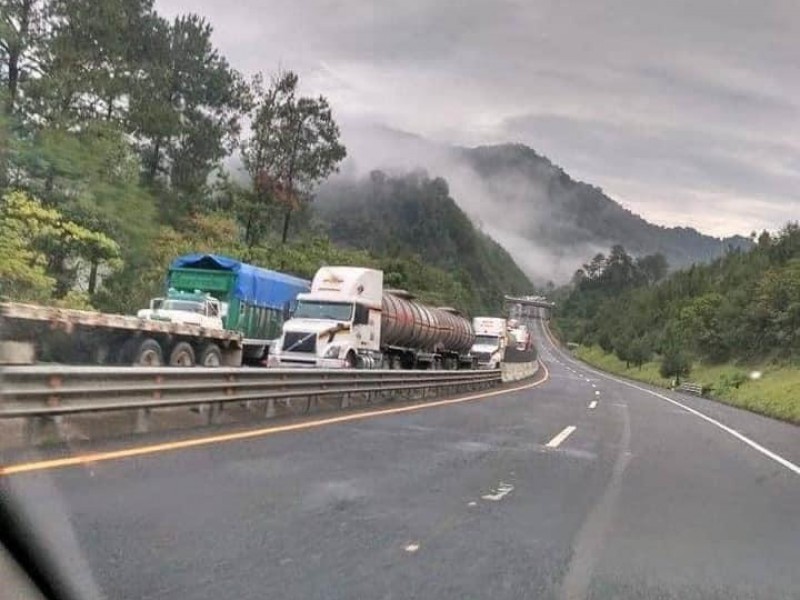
(348, 320)
(215, 311)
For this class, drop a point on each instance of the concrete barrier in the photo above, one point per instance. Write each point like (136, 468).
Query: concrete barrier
(518, 371)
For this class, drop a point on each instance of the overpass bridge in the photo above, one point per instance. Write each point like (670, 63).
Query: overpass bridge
(528, 307)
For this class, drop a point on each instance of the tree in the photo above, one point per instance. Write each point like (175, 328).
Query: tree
(675, 364)
(595, 267)
(88, 67)
(777, 309)
(185, 109)
(294, 145)
(639, 351)
(653, 267)
(21, 27)
(36, 242)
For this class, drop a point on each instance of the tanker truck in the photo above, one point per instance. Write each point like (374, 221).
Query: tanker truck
(216, 311)
(348, 320)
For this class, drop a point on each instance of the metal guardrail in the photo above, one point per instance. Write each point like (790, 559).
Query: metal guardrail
(690, 388)
(40, 391)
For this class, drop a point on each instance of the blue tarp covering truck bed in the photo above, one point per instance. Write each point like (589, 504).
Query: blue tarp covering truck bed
(254, 285)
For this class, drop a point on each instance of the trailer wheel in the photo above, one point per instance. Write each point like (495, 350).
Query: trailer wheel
(210, 356)
(148, 354)
(182, 355)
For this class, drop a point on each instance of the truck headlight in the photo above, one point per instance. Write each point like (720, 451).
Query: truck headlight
(332, 352)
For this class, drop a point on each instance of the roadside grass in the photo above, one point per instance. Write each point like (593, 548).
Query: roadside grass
(776, 393)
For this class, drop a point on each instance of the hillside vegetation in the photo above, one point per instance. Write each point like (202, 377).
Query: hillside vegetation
(413, 217)
(115, 131)
(558, 214)
(733, 325)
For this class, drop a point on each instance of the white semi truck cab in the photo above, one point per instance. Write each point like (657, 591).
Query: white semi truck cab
(348, 320)
(337, 324)
(489, 348)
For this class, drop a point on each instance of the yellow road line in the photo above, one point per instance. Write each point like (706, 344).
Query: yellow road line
(82, 459)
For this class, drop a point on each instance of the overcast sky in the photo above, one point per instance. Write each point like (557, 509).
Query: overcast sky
(687, 112)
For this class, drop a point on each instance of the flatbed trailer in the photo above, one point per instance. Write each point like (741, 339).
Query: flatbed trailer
(30, 333)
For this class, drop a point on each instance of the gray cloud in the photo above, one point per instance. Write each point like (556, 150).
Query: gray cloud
(685, 111)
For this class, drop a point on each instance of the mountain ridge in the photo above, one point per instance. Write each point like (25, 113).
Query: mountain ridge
(548, 221)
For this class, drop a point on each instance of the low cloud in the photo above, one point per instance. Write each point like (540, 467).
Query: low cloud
(686, 112)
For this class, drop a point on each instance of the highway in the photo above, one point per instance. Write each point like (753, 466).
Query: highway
(578, 487)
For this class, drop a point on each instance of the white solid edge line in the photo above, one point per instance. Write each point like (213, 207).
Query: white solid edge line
(593, 404)
(559, 439)
(741, 437)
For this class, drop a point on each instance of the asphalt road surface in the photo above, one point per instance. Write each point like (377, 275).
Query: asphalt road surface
(580, 487)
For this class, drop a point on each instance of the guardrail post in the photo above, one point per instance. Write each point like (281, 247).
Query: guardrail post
(269, 413)
(345, 401)
(214, 410)
(33, 430)
(142, 423)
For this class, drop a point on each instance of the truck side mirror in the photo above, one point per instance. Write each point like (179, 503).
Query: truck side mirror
(287, 311)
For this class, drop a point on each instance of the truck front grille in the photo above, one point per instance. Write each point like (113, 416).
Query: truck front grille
(299, 341)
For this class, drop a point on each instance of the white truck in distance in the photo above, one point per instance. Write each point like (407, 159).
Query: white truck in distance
(519, 336)
(348, 320)
(489, 348)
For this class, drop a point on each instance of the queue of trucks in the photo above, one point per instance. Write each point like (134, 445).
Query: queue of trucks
(217, 311)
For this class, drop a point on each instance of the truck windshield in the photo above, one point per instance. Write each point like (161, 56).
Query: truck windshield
(334, 311)
(183, 306)
(486, 340)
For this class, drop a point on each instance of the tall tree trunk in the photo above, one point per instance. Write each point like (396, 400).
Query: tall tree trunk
(286, 218)
(152, 168)
(92, 278)
(14, 53)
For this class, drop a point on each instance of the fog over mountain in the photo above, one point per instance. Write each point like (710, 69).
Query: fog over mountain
(688, 113)
(548, 222)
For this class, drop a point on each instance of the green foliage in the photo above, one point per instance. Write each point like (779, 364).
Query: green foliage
(294, 145)
(775, 393)
(675, 364)
(186, 109)
(38, 244)
(742, 307)
(414, 219)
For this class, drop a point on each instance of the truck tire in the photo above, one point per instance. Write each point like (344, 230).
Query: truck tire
(350, 361)
(210, 356)
(147, 353)
(182, 355)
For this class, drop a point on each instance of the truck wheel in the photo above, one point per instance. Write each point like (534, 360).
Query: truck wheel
(182, 355)
(148, 354)
(350, 361)
(210, 356)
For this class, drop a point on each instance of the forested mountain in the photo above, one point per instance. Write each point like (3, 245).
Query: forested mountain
(555, 211)
(546, 220)
(414, 215)
(744, 306)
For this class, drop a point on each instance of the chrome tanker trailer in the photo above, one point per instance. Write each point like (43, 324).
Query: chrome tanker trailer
(349, 320)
